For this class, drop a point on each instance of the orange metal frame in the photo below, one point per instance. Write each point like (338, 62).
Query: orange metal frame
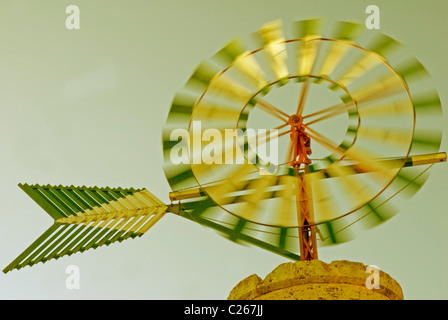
(301, 149)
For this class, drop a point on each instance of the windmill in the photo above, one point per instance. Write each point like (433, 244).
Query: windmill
(353, 120)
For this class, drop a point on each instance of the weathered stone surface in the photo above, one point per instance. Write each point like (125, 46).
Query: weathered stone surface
(246, 289)
(316, 280)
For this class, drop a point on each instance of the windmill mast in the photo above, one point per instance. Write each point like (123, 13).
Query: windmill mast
(301, 149)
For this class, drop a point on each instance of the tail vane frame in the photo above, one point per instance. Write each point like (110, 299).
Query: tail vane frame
(87, 217)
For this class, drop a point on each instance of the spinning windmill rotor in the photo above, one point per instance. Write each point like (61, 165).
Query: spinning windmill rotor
(351, 122)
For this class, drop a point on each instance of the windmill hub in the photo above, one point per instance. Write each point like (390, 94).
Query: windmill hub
(295, 120)
(300, 141)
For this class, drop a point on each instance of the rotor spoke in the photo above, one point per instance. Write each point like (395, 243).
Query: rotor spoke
(336, 110)
(324, 141)
(303, 95)
(339, 108)
(279, 114)
(268, 137)
(363, 164)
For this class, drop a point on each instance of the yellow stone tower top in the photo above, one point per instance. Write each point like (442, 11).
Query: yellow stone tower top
(317, 280)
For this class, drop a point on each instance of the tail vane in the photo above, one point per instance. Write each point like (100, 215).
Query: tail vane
(87, 218)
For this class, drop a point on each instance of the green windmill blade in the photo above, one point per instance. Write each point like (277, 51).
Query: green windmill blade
(87, 218)
(239, 230)
(344, 32)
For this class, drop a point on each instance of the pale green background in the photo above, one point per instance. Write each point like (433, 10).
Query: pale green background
(86, 107)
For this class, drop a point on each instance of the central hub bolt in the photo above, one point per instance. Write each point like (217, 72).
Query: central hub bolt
(295, 120)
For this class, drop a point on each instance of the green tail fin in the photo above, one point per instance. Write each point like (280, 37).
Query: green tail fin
(87, 217)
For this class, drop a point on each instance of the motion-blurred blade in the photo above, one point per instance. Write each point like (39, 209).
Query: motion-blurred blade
(427, 103)
(305, 50)
(345, 33)
(272, 40)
